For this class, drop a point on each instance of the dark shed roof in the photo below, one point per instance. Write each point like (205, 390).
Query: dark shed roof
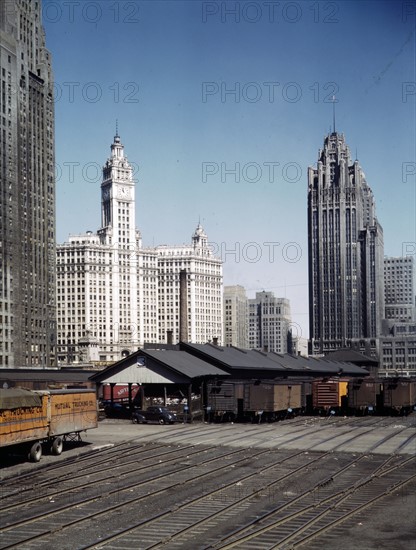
(273, 364)
(175, 365)
(351, 356)
(186, 364)
(43, 378)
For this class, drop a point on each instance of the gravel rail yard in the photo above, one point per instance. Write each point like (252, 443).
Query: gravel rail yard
(303, 483)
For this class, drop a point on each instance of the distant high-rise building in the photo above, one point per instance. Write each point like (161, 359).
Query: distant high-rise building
(269, 322)
(346, 295)
(27, 190)
(114, 295)
(235, 316)
(398, 343)
(106, 281)
(203, 291)
(399, 289)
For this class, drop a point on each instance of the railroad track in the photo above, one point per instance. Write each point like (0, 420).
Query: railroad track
(168, 496)
(190, 493)
(309, 516)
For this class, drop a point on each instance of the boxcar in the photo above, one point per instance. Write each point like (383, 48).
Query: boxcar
(273, 400)
(364, 396)
(329, 395)
(399, 396)
(253, 401)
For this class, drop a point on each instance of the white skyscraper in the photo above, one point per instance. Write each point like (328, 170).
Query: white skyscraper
(114, 295)
(203, 290)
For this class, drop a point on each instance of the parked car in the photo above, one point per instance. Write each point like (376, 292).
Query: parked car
(155, 414)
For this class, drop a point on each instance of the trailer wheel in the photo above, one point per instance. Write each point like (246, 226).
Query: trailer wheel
(35, 452)
(57, 446)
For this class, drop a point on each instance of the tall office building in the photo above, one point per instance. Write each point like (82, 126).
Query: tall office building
(114, 295)
(235, 316)
(346, 295)
(106, 281)
(202, 289)
(398, 343)
(399, 289)
(269, 322)
(27, 190)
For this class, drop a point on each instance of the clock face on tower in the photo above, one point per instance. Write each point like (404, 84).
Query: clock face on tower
(106, 194)
(123, 192)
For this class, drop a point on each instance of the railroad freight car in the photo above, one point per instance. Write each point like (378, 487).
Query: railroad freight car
(225, 401)
(272, 401)
(120, 392)
(399, 396)
(32, 419)
(365, 396)
(329, 395)
(253, 401)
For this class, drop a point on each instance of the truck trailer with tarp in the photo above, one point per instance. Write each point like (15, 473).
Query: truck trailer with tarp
(30, 420)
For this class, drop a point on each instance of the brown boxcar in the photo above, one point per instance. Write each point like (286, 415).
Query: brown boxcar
(253, 401)
(273, 397)
(399, 395)
(31, 418)
(364, 396)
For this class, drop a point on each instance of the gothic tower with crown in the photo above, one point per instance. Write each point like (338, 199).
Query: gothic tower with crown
(345, 241)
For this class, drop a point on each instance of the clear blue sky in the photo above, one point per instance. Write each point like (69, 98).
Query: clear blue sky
(166, 71)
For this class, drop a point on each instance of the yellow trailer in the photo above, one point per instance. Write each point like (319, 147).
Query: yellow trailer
(32, 418)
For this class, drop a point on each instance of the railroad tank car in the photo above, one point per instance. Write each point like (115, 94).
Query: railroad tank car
(30, 419)
(365, 396)
(254, 401)
(329, 395)
(399, 396)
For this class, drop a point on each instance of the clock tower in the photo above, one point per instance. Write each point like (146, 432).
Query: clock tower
(121, 242)
(117, 199)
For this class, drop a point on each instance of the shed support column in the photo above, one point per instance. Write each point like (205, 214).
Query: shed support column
(165, 397)
(112, 392)
(190, 402)
(130, 397)
(141, 396)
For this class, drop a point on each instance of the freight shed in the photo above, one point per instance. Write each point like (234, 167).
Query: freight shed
(274, 385)
(168, 377)
(44, 379)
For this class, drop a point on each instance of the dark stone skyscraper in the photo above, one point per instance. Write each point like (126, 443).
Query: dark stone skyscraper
(346, 295)
(27, 189)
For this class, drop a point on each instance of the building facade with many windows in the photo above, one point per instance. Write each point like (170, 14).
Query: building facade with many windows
(203, 294)
(398, 342)
(114, 295)
(345, 240)
(235, 317)
(269, 322)
(27, 190)
(399, 288)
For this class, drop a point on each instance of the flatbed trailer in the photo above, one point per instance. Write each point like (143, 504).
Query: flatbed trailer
(30, 419)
